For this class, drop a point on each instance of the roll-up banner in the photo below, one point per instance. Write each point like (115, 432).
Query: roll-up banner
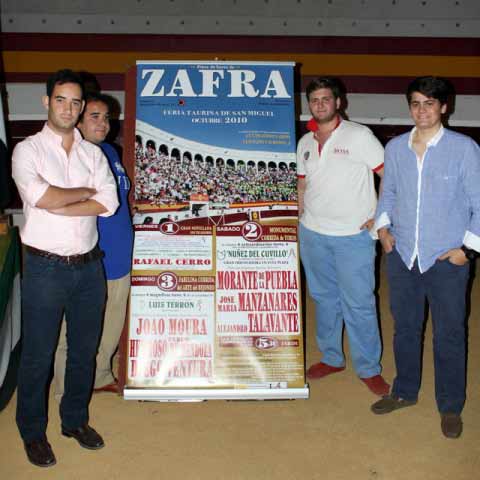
(215, 308)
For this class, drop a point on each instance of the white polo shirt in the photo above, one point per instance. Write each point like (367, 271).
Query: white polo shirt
(340, 192)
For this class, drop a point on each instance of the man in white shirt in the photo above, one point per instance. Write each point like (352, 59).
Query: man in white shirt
(335, 165)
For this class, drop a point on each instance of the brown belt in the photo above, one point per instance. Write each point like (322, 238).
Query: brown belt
(80, 259)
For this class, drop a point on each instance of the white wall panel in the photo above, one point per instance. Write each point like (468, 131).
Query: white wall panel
(24, 100)
(373, 9)
(384, 109)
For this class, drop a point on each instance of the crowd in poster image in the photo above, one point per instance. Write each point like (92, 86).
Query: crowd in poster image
(161, 179)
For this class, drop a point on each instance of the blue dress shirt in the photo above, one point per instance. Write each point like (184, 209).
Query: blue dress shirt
(436, 207)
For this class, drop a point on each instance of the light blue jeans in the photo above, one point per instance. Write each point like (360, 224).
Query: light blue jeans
(341, 281)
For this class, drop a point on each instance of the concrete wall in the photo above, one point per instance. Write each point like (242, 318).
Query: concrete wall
(414, 18)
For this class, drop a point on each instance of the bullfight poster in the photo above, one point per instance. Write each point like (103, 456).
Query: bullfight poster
(215, 307)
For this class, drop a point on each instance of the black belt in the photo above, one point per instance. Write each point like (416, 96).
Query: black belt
(79, 259)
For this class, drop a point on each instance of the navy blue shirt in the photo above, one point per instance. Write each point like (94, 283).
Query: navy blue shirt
(115, 232)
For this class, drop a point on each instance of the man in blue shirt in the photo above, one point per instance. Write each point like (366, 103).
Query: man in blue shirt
(116, 241)
(428, 221)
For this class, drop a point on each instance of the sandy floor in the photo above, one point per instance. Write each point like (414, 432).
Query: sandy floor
(331, 436)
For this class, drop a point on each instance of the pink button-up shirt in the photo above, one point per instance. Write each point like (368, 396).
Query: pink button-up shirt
(40, 161)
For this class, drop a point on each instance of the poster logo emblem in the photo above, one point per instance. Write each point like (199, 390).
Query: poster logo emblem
(265, 343)
(169, 228)
(252, 231)
(167, 281)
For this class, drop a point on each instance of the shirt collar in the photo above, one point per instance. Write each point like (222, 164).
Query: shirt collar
(313, 127)
(432, 142)
(55, 137)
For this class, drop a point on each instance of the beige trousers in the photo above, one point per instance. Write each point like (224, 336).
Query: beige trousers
(114, 319)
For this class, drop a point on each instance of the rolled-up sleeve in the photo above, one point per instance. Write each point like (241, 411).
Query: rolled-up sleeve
(105, 185)
(471, 184)
(30, 184)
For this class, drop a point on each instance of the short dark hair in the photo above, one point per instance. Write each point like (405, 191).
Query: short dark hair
(95, 97)
(432, 87)
(90, 82)
(334, 84)
(61, 77)
(151, 144)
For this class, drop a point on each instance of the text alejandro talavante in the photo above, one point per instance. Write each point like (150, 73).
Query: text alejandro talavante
(270, 299)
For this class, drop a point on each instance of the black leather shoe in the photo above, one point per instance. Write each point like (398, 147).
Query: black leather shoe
(86, 436)
(40, 453)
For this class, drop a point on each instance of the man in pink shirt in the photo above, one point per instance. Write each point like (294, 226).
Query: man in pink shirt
(65, 183)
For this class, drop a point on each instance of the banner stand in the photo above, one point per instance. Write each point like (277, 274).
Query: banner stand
(198, 394)
(215, 309)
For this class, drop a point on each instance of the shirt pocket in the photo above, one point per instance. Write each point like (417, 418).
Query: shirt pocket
(445, 186)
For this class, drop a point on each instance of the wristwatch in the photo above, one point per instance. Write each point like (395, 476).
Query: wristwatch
(469, 252)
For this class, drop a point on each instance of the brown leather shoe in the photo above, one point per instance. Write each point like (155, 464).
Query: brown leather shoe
(110, 388)
(86, 436)
(40, 453)
(452, 425)
(390, 403)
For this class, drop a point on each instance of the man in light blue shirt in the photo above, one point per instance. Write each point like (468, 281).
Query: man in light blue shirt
(428, 221)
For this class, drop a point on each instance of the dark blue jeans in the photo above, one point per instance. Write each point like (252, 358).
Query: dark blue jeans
(50, 288)
(444, 285)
